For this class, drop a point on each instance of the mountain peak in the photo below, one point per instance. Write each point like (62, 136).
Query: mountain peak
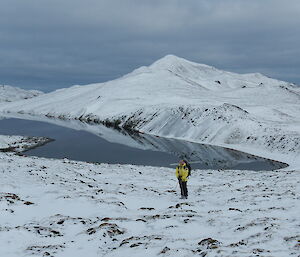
(169, 60)
(173, 62)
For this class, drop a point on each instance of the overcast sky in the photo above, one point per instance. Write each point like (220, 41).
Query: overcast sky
(49, 44)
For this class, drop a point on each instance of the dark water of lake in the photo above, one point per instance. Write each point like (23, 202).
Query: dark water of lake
(83, 142)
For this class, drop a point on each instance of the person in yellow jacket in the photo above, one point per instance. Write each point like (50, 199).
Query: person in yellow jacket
(182, 173)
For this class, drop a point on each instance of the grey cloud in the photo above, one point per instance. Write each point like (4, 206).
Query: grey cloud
(56, 43)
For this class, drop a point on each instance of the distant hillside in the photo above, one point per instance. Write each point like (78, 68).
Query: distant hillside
(11, 94)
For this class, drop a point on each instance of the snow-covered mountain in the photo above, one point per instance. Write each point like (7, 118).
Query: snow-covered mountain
(11, 94)
(177, 98)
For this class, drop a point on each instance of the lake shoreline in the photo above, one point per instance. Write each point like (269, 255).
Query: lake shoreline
(209, 156)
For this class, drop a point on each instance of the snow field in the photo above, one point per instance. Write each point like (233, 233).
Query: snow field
(7, 141)
(66, 208)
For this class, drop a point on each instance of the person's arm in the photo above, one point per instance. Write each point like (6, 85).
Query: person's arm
(177, 172)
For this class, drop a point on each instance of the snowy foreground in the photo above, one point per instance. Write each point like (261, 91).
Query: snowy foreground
(66, 208)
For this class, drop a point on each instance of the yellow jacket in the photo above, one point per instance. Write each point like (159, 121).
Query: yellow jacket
(182, 172)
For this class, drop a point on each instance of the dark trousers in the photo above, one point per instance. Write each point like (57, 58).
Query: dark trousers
(183, 188)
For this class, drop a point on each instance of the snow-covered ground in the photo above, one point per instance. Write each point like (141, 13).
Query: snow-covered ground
(11, 94)
(7, 141)
(21, 143)
(66, 208)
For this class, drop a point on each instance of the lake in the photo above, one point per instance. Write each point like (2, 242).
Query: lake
(96, 143)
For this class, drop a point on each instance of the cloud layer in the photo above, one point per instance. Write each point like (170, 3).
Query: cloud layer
(51, 44)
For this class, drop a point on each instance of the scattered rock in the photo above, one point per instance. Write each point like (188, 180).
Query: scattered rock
(166, 249)
(135, 245)
(9, 197)
(258, 250)
(28, 203)
(9, 210)
(209, 243)
(147, 208)
(106, 219)
(171, 191)
(110, 228)
(234, 209)
(60, 222)
(46, 250)
(91, 231)
(242, 242)
(157, 216)
(56, 233)
(141, 220)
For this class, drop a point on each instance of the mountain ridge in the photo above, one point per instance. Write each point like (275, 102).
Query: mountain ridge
(181, 67)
